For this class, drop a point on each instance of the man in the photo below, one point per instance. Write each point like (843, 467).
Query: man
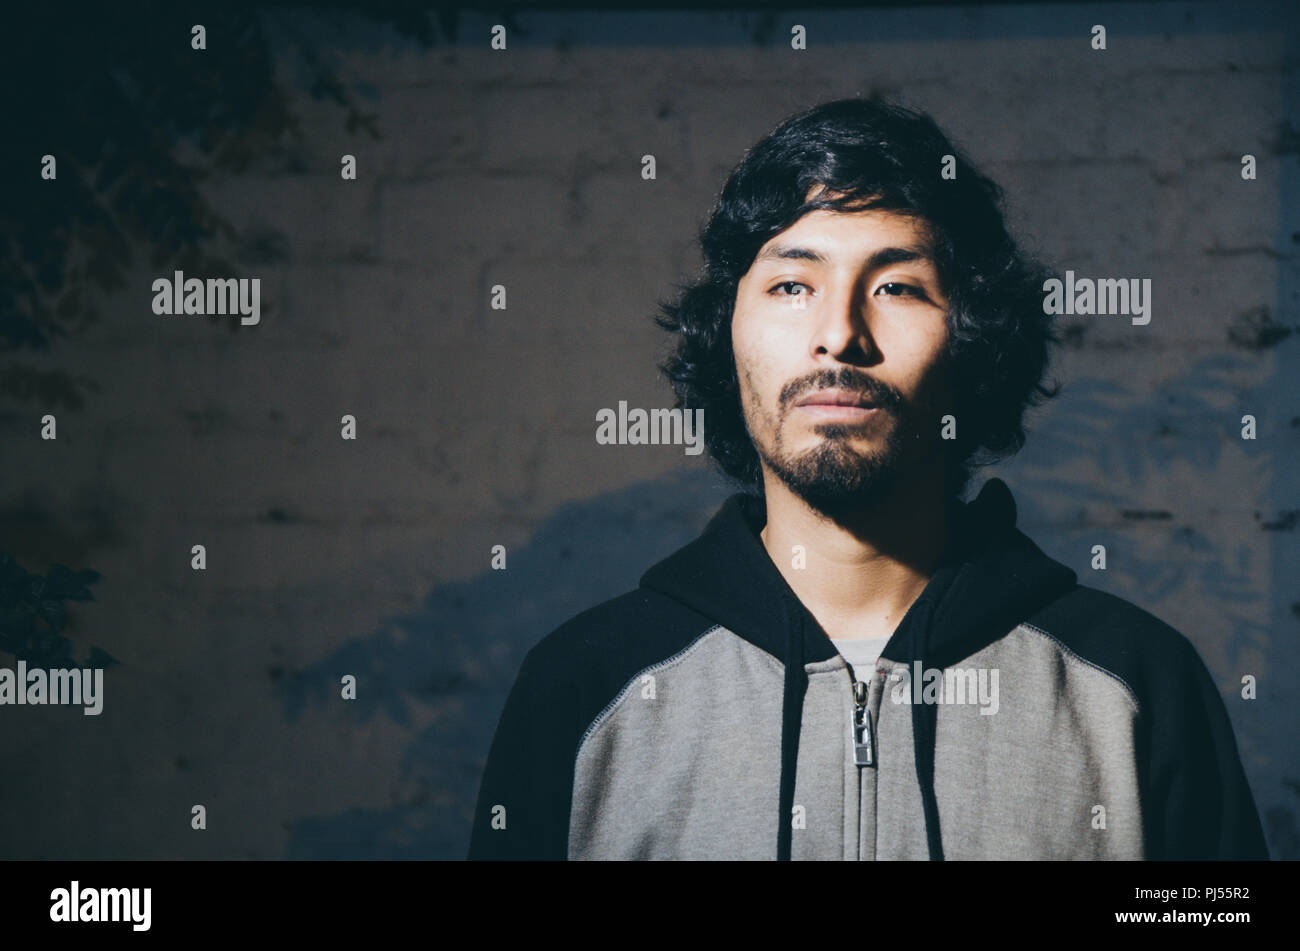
(851, 662)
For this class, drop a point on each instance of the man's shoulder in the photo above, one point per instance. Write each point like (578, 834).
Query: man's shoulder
(618, 637)
(1117, 636)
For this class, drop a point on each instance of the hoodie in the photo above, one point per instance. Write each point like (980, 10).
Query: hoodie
(1013, 713)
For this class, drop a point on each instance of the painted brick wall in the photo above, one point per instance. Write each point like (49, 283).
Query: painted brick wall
(476, 426)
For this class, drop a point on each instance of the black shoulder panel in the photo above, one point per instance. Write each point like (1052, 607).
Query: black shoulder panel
(1115, 635)
(565, 681)
(1197, 802)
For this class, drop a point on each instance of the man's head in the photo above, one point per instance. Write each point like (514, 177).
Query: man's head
(843, 265)
(839, 332)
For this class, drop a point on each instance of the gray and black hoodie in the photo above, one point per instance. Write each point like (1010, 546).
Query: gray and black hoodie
(706, 715)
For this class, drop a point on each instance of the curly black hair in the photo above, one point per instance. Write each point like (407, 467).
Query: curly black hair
(870, 154)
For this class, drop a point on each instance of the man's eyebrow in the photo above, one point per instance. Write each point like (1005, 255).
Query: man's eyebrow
(881, 257)
(782, 252)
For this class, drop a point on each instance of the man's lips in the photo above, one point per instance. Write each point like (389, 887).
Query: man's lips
(839, 398)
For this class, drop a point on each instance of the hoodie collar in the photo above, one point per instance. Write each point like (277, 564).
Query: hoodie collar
(991, 578)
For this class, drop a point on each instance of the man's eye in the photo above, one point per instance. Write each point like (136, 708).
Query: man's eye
(790, 284)
(895, 289)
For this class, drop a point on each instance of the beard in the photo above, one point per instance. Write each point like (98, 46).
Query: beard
(836, 477)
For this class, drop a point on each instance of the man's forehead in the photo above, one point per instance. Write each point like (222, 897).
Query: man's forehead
(900, 220)
(823, 235)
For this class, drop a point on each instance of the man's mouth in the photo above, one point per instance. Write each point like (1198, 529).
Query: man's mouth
(838, 405)
(836, 397)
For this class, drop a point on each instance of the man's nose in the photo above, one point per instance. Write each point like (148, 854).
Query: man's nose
(841, 326)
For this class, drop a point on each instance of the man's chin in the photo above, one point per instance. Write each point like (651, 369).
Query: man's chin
(837, 499)
(838, 486)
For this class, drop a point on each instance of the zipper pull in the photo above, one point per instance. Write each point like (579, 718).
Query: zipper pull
(863, 742)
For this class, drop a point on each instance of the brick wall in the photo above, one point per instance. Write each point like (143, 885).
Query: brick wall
(476, 426)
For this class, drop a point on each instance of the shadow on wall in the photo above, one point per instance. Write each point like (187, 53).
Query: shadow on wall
(1102, 425)
(1190, 422)
(458, 655)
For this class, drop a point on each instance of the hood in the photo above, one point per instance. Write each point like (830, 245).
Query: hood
(991, 578)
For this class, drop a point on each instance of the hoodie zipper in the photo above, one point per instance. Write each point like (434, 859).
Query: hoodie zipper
(864, 742)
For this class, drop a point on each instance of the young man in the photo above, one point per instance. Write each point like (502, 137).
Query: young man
(851, 662)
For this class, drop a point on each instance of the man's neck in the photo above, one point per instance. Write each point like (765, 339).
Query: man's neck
(862, 572)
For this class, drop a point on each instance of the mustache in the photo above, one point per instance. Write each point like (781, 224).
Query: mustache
(844, 378)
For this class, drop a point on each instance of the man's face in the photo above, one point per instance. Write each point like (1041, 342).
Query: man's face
(843, 307)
